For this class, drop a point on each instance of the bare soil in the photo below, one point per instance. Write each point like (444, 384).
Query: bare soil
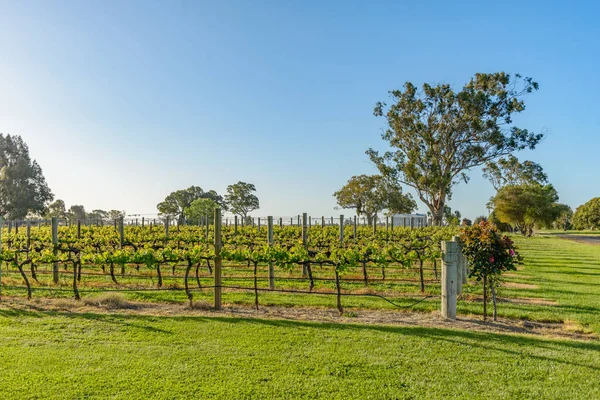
(568, 329)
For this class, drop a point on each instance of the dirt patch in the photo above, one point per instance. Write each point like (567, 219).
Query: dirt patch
(588, 239)
(515, 285)
(314, 314)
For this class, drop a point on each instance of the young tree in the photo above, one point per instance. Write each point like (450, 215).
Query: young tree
(201, 208)
(57, 209)
(23, 188)
(526, 206)
(437, 134)
(587, 216)
(176, 203)
(241, 200)
(371, 194)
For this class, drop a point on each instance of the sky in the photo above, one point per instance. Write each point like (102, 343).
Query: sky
(123, 102)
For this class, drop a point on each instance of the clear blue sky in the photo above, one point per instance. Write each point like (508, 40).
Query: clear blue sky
(123, 102)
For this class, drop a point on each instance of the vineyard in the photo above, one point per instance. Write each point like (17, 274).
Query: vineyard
(392, 264)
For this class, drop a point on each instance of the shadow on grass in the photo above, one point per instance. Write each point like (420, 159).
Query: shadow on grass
(123, 320)
(489, 341)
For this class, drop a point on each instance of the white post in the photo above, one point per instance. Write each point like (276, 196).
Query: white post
(449, 278)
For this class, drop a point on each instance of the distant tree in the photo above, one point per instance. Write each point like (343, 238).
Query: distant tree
(371, 194)
(526, 206)
(76, 212)
(98, 215)
(564, 218)
(241, 200)
(501, 226)
(57, 209)
(176, 203)
(587, 216)
(466, 222)
(510, 171)
(479, 219)
(451, 218)
(23, 188)
(437, 134)
(116, 214)
(201, 208)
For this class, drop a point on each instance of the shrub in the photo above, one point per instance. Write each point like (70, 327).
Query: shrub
(488, 254)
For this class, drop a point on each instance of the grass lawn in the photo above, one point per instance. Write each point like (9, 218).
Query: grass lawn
(94, 355)
(62, 355)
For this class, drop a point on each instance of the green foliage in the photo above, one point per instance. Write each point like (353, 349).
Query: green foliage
(371, 194)
(241, 199)
(511, 172)
(526, 206)
(76, 212)
(488, 255)
(437, 134)
(176, 203)
(57, 209)
(200, 209)
(23, 188)
(587, 216)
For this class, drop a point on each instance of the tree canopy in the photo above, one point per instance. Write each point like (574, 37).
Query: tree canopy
(587, 216)
(437, 134)
(371, 194)
(526, 206)
(241, 200)
(23, 188)
(177, 202)
(201, 208)
(510, 171)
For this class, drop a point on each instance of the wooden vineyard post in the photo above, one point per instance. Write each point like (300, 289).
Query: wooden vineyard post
(375, 224)
(207, 226)
(235, 224)
(299, 221)
(322, 222)
(1, 227)
(143, 222)
(355, 227)
(310, 222)
(304, 241)
(78, 229)
(252, 222)
(218, 279)
(412, 222)
(258, 224)
(291, 221)
(166, 230)
(387, 223)
(55, 249)
(449, 278)
(341, 230)
(337, 274)
(270, 241)
(392, 223)
(121, 233)
(461, 276)
(331, 221)
(281, 222)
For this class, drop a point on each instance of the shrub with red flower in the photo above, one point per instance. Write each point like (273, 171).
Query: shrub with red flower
(488, 255)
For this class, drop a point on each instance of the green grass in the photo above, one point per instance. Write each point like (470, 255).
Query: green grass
(62, 355)
(71, 355)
